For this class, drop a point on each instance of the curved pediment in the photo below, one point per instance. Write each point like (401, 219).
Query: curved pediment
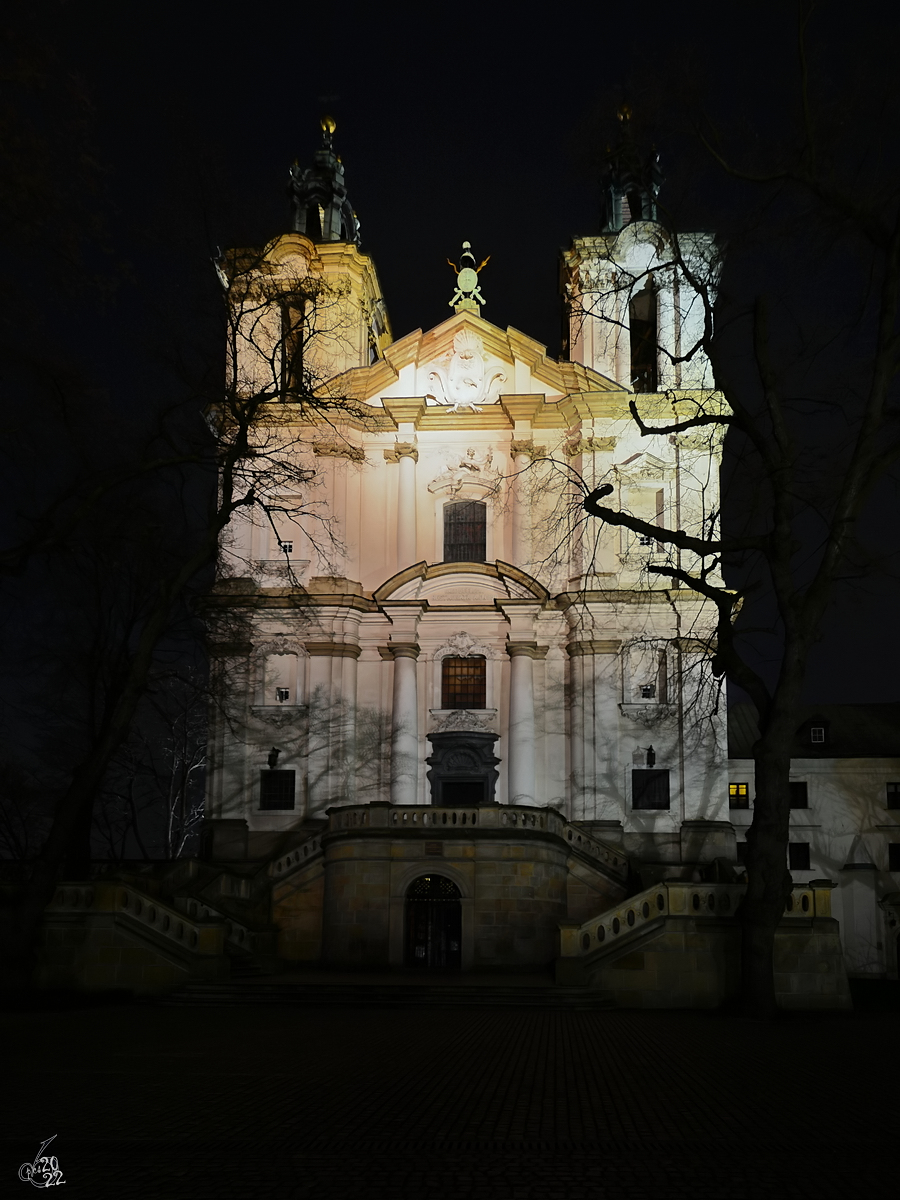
(462, 584)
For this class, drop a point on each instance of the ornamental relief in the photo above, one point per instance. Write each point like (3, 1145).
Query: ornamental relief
(279, 643)
(462, 645)
(462, 377)
(464, 720)
(467, 468)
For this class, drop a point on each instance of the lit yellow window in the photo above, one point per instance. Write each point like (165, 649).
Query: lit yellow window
(738, 795)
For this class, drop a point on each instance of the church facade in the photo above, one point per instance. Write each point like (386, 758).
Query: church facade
(462, 723)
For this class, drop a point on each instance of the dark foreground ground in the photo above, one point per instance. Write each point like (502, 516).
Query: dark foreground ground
(169, 1103)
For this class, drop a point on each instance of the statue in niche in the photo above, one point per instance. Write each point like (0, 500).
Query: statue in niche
(460, 378)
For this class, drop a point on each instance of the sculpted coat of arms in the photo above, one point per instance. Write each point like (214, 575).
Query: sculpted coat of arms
(461, 377)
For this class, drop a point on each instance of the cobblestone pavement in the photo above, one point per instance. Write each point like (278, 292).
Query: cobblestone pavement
(164, 1103)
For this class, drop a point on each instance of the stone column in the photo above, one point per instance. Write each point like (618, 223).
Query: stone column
(520, 764)
(521, 410)
(593, 725)
(405, 414)
(665, 332)
(521, 453)
(406, 505)
(405, 725)
(318, 756)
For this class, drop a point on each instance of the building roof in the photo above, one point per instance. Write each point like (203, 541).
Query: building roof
(851, 731)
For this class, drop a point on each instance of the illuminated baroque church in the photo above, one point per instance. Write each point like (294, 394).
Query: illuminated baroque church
(464, 726)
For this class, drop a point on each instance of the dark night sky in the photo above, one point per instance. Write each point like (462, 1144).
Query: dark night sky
(464, 122)
(481, 124)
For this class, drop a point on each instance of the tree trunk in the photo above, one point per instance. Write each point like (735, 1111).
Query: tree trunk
(769, 881)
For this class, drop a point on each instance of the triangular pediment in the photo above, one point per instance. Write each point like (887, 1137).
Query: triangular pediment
(465, 363)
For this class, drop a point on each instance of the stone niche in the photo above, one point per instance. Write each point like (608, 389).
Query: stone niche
(463, 768)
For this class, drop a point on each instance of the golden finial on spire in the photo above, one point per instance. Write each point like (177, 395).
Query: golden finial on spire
(329, 125)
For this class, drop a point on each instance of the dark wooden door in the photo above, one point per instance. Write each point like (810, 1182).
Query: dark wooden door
(433, 923)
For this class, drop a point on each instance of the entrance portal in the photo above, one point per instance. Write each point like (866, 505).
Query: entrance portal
(463, 768)
(433, 923)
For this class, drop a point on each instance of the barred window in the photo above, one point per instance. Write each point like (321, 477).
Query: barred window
(463, 682)
(276, 789)
(465, 531)
(650, 789)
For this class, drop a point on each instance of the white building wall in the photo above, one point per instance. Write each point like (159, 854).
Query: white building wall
(848, 828)
(595, 625)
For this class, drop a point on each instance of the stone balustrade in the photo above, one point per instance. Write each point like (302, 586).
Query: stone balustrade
(496, 816)
(678, 899)
(198, 934)
(235, 933)
(312, 848)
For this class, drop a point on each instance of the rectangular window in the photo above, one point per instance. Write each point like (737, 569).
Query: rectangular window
(650, 789)
(738, 795)
(276, 789)
(894, 856)
(892, 797)
(282, 695)
(799, 794)
(741, 850)
(463, 682)
(465, 531)
(817, 735)
(798, 856)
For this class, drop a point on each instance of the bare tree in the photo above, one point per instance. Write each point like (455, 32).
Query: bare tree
(193, 476)
(803, 336)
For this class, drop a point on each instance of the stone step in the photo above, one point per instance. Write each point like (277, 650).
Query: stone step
(398, 995)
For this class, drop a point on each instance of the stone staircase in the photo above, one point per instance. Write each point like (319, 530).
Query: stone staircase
(677, 945)
(386, 993)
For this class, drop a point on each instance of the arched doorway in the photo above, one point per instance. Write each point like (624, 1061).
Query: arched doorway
(433, 923)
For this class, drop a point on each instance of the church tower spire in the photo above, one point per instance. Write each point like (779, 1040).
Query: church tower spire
(630, 183)
(320, 208)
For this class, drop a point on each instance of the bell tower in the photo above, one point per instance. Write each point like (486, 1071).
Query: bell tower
(636, 296)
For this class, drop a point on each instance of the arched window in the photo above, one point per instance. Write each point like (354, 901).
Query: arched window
(465, 531)
(464, 682)
(642, 326)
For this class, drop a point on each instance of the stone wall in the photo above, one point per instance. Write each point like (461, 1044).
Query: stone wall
(98, 951)
(686, 963)
(297, 914)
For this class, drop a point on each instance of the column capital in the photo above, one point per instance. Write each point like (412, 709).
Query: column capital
(402, 450)
(403, 650)
(590, 445)
(526, 649)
